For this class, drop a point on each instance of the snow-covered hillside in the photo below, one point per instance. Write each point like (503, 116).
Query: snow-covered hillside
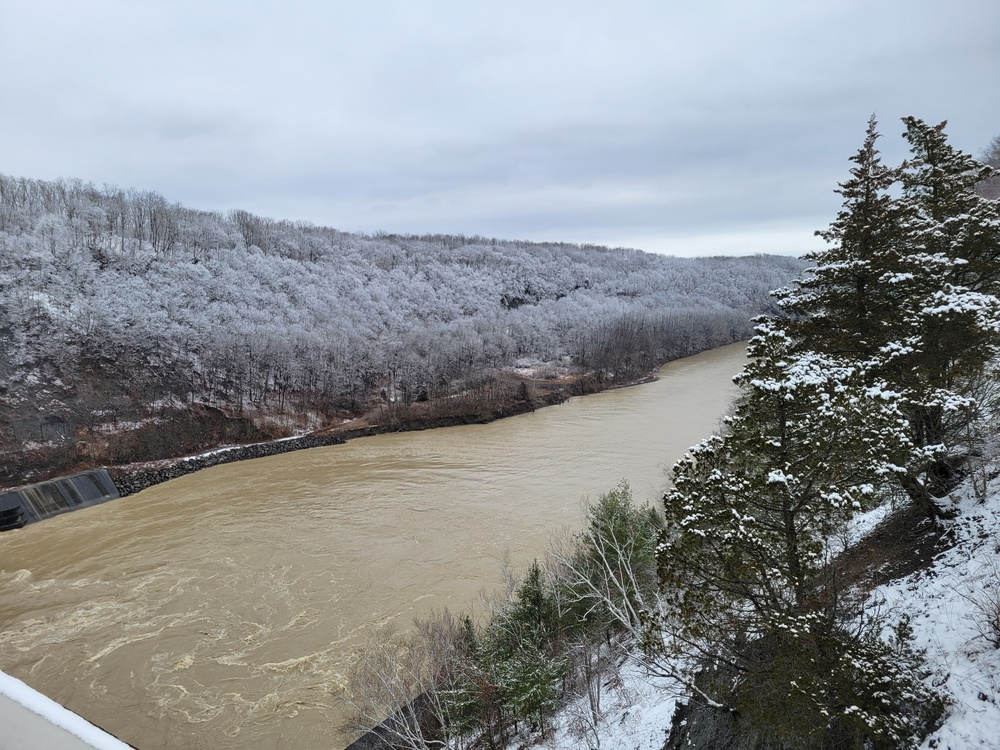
(954, 610)
(119, 311)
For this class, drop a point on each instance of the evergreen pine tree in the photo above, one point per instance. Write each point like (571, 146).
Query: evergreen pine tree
(848, 303)
(947, 218)
(751, 512)
(907, 290)
(751, 608)
(951, 330)
(513, 670)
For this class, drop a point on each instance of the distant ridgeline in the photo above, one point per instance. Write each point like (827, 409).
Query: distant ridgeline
(46, 499)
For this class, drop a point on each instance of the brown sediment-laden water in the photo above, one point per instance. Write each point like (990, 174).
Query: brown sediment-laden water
(220, 609)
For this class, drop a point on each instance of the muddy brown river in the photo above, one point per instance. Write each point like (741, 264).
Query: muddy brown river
(220, 610)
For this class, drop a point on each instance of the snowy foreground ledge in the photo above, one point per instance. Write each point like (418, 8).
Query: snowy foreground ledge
(57, 716)
(954, 610)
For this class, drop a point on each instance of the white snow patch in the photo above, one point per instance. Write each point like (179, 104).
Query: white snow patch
(635, 715)
(58, 715)
(949, 606)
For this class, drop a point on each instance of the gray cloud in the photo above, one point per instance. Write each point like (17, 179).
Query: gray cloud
(721, 127)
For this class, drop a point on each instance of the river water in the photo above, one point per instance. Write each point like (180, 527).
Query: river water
(220, 610)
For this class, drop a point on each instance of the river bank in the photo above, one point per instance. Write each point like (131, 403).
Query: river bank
(530, 394)
(174, 438)
(184, 438)
(133, 478)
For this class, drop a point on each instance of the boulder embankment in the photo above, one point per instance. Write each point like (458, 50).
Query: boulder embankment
(132, 478)
(222, 438)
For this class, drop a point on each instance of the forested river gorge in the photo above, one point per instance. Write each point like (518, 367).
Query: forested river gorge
(221, 609)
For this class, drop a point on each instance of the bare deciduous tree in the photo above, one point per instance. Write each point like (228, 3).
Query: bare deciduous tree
(990, 188)
(399, 684)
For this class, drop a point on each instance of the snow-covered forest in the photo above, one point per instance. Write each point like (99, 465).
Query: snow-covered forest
(119, 309)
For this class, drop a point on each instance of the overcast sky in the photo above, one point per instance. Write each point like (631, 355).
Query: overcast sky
(711, 127)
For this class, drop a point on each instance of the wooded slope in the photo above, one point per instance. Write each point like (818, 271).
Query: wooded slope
(119, 307)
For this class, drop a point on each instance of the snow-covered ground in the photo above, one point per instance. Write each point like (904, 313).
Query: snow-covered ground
(951, 607)
(954, 609)
(40, 736)
(636, 713)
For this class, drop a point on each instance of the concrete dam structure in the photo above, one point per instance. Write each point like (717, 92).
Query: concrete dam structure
(46, 499)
